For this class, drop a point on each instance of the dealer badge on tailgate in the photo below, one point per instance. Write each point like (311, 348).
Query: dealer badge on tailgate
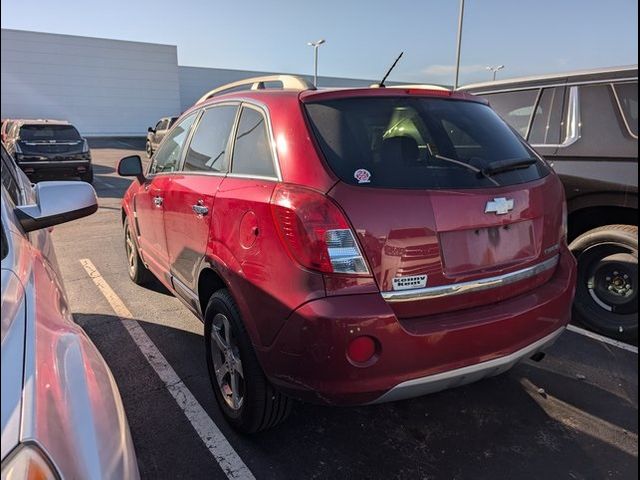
(407, 283)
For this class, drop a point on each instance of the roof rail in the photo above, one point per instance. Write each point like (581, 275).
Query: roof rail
(258, 83)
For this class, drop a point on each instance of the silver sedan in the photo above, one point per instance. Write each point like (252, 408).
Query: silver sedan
(62, 415)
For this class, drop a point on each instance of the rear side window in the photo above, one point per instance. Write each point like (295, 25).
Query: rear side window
(46, 133)
(251, 151)
(168, 155)
(208, 147)
(547, 120)
(418, 143)
(627, 95)
(514, 107)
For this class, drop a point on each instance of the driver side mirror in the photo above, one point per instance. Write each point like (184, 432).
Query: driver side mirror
(131, 167)
(151, 130)
(56, 203)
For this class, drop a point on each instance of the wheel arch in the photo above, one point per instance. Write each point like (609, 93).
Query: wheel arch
(592, 211)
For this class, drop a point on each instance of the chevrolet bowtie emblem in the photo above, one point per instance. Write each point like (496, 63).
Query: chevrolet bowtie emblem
(499, 206)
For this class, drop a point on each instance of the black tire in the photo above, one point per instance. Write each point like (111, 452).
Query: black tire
(262, 406)
(87, 177)
(149, 149)
(607, 291)
(138, 272)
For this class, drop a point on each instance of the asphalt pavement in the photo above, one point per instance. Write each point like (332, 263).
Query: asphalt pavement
(572, 416)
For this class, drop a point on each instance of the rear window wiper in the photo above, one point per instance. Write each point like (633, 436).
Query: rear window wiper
(465, 165)
(500, 166)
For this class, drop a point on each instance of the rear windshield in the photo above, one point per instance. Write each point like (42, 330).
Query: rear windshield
(45, 133)
(402, 142)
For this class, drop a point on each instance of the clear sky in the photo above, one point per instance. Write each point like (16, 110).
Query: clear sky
(363, 37)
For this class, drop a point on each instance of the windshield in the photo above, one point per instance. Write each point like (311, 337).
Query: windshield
(402, 142)
(46, 133)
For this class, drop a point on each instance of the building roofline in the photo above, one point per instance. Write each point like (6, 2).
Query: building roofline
(87, 37)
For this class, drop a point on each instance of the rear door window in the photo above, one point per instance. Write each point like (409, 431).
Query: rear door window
(515, 108)
(627, 96)
(252, 150)
(48, 133)
(168, 155)
(207, 151)
(547, 120)
(418, 143)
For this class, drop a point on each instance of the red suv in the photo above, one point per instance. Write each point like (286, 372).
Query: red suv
(350, 246)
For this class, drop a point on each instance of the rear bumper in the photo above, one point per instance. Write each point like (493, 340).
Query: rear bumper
(415, 356)
(55, 168)
(465, 375)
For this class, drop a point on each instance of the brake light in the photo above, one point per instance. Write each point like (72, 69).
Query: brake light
(85, 146)
(315, 231)
(429, 92)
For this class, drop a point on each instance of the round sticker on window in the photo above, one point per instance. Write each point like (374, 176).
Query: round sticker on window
(362, 175)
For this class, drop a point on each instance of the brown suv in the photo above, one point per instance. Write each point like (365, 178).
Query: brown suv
(586, 126)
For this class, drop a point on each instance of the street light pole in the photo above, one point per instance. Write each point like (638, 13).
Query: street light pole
(315, 46)
(495, 70)
(459, 45)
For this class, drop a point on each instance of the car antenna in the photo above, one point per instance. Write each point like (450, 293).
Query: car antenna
(381, 84)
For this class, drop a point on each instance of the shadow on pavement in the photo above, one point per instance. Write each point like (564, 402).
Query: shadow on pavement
(492, 429)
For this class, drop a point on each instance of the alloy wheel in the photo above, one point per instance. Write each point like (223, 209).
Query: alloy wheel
(227, 365)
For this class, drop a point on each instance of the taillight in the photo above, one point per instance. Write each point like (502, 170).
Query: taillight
(85, 146)
(315, 231)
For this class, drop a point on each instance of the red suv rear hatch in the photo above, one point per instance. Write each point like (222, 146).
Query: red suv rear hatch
(443, 196)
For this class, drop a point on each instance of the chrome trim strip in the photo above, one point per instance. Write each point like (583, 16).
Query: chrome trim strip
(624, 117)
(465, 375)
(472, 286)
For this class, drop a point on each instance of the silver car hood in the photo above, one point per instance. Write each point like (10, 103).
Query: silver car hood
(12, 364)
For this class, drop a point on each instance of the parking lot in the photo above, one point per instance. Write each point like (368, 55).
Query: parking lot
(573, 415)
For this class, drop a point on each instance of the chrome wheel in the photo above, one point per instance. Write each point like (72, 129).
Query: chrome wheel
(227, 365)
(131, 253)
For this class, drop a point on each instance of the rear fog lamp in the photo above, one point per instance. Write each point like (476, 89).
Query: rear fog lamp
(361, 349)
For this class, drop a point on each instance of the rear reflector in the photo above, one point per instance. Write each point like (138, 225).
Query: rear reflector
(361, 349)
(315, 231)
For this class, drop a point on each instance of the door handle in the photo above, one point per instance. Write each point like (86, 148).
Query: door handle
(157, 201)
(199, 209)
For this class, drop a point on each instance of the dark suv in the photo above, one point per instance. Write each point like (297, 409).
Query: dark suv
(157, 133)
(586, 125)
(51, 149)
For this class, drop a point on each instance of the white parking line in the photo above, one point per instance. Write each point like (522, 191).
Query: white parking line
(231, 464)
(600, 338)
